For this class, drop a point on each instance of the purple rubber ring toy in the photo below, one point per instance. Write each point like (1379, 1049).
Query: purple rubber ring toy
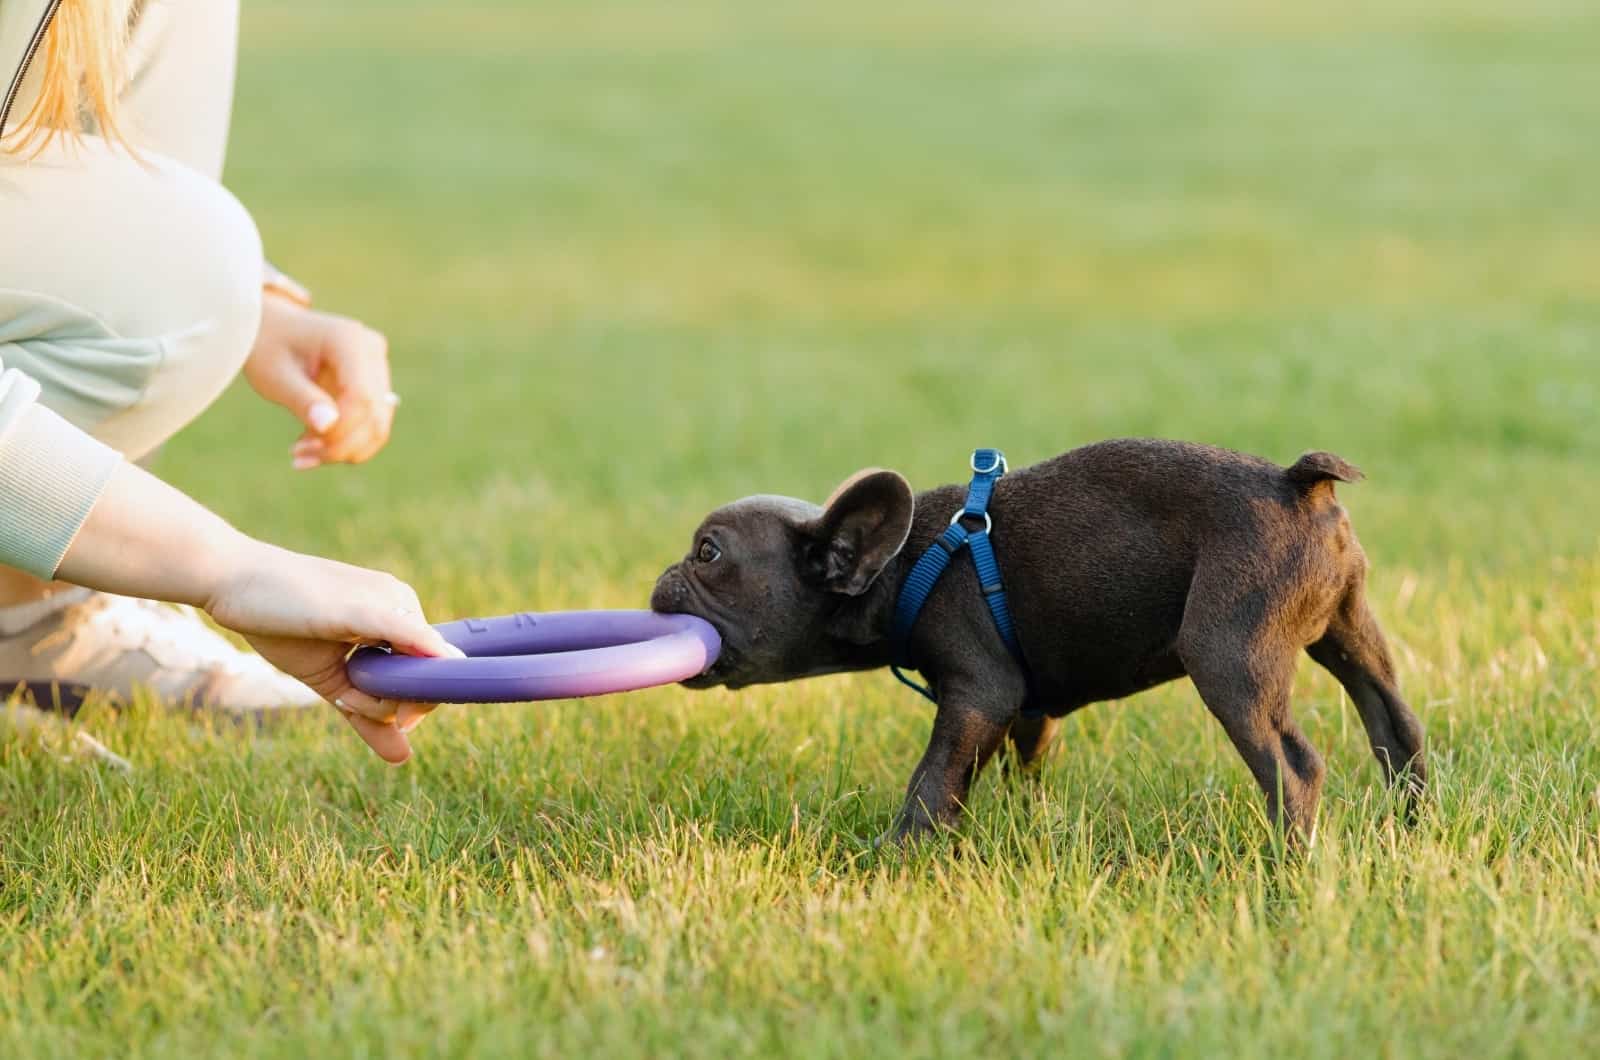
(559, 655)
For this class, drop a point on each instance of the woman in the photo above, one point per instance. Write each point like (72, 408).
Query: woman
(132, 290)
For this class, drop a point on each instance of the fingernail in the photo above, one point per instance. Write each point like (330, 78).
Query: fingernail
(453, 652)
(321, 416)
(305, 463)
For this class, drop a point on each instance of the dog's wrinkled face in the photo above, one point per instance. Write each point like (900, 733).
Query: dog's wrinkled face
(770, 573)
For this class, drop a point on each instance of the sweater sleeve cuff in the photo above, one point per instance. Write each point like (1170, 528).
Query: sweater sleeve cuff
(51, 474)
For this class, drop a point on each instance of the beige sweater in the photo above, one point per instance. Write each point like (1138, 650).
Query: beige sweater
(50, 471)
(50, 476)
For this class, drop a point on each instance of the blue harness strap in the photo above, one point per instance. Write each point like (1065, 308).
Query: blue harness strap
(987, 467)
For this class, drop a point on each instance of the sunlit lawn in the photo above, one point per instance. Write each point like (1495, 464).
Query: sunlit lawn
(638, 260)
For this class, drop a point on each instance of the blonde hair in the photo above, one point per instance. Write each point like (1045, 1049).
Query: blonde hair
(82, 68)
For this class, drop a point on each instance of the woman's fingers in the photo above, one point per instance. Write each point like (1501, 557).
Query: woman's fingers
(285, 382)
(333, 374)
(376, 721)
(410, 715)
(352, 364)
(307, 452)
(404, 629)
(357, 359)
(423, 639)
(356, 447)
(384, 738)
(358, 440)
(282, 370)
(352, 700)
(384, 723)
(360, 434)
(359, 356)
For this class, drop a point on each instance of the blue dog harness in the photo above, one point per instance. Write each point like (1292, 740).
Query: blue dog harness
(987, 467)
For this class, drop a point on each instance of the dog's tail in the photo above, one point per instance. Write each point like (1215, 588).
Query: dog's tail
(1316, 467)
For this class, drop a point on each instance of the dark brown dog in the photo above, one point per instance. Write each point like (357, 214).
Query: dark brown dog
(1128, 563)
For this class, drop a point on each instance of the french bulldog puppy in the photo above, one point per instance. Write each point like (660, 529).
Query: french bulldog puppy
(1128, 564)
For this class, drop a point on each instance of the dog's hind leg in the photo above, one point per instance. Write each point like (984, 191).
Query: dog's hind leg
(1249, 695)
(1030, 737)
(1243, 667)
(1354, 651)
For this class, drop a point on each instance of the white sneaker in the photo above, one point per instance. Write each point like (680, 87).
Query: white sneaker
(80, 643)
(20, 720)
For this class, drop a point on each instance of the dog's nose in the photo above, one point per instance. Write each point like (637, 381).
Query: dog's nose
(669, 592)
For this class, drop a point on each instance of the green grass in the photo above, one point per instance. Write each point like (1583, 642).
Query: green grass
(638, 260)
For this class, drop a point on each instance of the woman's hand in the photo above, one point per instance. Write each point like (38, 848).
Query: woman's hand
(332, 373)
(144, 538)
(303, 614)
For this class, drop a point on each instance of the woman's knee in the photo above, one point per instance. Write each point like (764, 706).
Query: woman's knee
(162, 265)
(214, 319)
(148, 246)
(206, 323)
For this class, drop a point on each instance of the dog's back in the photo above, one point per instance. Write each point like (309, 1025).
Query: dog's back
(1101, 548)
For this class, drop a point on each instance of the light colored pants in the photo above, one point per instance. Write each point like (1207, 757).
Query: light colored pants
(130, 288)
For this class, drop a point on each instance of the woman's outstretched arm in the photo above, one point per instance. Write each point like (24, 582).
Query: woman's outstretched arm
(145, 538)
(69, 508)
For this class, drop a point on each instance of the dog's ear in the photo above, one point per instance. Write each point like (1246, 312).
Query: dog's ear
(862, 527)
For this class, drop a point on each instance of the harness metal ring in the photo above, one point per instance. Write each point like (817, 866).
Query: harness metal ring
(999, 463)
(988, 523)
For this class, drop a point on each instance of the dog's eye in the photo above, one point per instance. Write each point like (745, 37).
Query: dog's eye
(709, 552)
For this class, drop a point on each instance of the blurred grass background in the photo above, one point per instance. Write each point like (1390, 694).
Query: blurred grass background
(638, 259)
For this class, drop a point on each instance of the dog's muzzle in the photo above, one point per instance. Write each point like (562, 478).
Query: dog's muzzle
(671, 592)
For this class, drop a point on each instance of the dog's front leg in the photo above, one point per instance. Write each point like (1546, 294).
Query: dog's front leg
(967, 730)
